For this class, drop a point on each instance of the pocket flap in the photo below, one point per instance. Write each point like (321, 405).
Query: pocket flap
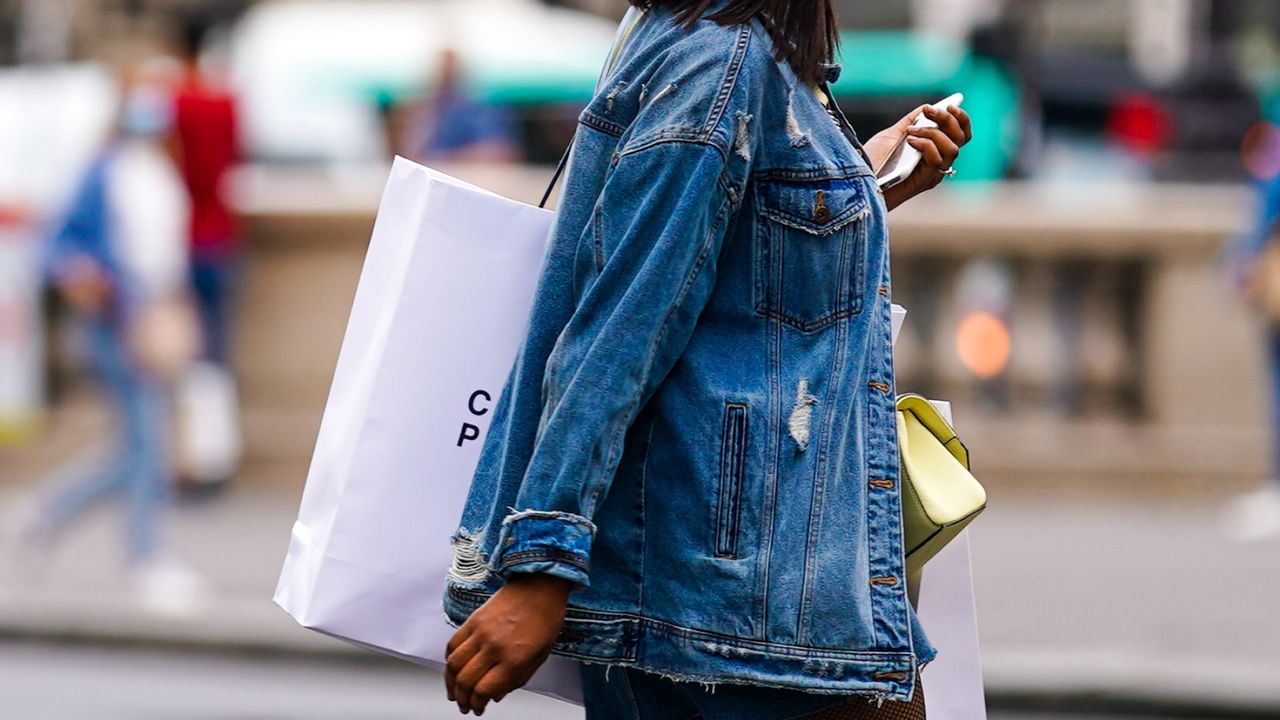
(819, 208)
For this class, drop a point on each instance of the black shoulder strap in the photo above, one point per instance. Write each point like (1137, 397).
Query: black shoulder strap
(631, 19)
(555, 177)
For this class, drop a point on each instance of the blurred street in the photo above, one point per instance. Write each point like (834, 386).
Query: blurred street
(187, 686)
(1080, 598)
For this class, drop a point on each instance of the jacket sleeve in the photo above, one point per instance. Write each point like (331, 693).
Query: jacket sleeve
(658, 228)
(82, 230)
(1268, 214)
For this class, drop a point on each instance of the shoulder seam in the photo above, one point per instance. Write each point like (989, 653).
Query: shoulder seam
(730, 81)
(670, 138)
(705, 134)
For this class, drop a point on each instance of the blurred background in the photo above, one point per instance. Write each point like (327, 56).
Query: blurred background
(1096, 292)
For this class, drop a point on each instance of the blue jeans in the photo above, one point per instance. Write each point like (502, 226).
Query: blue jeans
(214, 277)
(136, 467)
(627, 694)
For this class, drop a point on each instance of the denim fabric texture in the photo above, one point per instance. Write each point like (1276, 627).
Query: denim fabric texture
(699, 428)
(617, 693)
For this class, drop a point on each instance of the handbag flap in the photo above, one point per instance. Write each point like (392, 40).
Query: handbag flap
(929, 416)
(936, 464)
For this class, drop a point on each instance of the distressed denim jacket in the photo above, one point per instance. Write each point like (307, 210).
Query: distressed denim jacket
(699, 428)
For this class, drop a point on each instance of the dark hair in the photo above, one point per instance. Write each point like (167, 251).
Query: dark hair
(804, 32)
(195, 30)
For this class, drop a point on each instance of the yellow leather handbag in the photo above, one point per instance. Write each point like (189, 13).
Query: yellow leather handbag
(939, 494)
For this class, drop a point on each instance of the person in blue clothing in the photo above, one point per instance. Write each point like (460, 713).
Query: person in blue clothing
(455, 126)
(118, 259)
(691, 479)
(1256, 515)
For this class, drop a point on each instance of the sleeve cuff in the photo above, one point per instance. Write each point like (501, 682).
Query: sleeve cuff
(554, 543)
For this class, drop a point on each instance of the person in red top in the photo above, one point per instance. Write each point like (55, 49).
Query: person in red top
(207, 148)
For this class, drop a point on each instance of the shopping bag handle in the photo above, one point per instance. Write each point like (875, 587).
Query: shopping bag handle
(614, 52)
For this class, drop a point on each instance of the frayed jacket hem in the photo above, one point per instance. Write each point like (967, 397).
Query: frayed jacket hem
(670, 650)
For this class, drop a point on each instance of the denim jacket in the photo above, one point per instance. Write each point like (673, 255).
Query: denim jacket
(699, 428)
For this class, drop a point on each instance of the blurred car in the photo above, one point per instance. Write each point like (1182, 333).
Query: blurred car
(54, 119)
(1163, 82)
(313, 76)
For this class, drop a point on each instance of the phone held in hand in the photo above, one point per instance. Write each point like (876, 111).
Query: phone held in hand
(905, 158)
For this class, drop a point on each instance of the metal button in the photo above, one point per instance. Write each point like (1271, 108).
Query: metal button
(821, 213)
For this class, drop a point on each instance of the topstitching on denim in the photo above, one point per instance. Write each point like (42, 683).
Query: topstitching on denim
(698, 430)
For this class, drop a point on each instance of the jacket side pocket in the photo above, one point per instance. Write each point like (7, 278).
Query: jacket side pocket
(733, 448)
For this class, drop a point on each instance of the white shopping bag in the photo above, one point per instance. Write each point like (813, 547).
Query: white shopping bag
(953, 682)
(439, 313)
(209, 442)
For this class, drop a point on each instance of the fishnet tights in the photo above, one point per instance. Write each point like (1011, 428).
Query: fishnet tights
(863, 710)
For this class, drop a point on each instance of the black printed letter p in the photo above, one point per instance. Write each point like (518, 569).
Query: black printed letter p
(469, 432)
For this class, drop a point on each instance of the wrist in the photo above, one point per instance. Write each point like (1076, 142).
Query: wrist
(893, 197)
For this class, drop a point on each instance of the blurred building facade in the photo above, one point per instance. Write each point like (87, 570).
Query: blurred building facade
(1072, 300)
(41, 31)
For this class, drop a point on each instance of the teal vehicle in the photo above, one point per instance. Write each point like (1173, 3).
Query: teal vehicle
(312, 76)
(885, 74)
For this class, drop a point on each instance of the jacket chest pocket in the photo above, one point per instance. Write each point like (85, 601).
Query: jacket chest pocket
(810, 250)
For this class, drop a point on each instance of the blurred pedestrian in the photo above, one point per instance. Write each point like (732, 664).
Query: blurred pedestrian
(207, 140)
(453, 125)
(118, 259)
(207, 148)
(693, 472)
(1255, 263)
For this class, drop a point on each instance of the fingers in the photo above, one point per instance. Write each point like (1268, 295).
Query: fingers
(949, 123)
(493, 686)
(965, 124)
(465, 685)
(456, 660)
(929, 173)
(928, 169)
(938, 151)
(462, 634)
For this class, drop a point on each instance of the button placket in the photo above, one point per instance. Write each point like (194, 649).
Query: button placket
(885, 578)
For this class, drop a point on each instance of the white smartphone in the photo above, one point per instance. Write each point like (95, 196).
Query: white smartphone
(905, 158)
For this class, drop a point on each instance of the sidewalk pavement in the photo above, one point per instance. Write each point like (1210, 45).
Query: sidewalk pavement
(1081, 599)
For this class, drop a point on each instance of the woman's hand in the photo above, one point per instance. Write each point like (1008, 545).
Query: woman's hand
(939, 147)
(500, 646)
(84, 285)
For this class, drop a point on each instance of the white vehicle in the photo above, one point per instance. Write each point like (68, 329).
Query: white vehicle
(310, 75)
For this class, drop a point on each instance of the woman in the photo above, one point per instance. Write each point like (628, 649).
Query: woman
(692, 473)
(118, 259)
